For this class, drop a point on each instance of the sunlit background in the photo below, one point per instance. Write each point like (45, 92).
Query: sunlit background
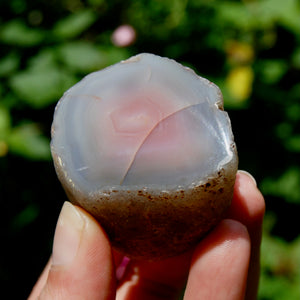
(250, 48)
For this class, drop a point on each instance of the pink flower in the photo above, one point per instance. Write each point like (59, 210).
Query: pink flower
(123, 36)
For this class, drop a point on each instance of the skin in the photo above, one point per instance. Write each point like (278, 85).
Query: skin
(224, 265)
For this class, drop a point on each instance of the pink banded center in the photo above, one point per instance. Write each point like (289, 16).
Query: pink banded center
(135, 118)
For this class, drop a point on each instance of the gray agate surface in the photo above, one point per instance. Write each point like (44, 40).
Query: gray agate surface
(146, 147)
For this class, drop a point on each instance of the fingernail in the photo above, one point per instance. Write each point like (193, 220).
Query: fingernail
(67, 236)
(249, 175)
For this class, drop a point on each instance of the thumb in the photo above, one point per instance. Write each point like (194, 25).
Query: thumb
(82, 265)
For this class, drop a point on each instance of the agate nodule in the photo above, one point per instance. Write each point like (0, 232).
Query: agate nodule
(146, 148)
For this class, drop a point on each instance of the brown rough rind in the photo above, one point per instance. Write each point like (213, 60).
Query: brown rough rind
(152, 225)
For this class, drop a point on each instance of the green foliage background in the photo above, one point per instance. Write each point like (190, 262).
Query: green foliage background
(250, 48)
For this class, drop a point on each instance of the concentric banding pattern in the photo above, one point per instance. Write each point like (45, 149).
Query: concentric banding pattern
(146, 121)
(146, 148)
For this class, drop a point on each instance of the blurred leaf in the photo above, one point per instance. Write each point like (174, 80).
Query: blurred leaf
(5, 121)
(85, 57)
(236, 14)
(114, 54)
(9, 100)
(82, 56)
(279, 260)
(27, 140)
(259, 14)
(9, 64)
(277, 288)
(177, 13)
(45, 59)
(284, 130)
(74, 24)
(96, 2)
(272, 70)
(293, 143)
(280, 267)
(296, 58)
(17, 33)
(18, 6)
(293, 110)
(26, 216)
(286, 186)
(39, 88)
(295, 253)
(3, 148)
(286, 12)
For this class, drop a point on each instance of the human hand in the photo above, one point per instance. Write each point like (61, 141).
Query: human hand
(224, 265)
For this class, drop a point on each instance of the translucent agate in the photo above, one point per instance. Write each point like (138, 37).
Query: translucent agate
(146, 147)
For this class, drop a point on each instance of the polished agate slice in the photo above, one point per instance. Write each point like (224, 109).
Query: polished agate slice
(146, 148)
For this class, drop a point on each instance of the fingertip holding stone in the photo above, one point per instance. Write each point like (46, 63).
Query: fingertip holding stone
(248, 175)
(67, 237)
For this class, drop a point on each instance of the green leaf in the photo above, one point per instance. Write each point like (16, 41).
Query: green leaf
(74, 24)
(293, 143)
(85, 57)
(236, 15)
(259, 14)
(286, 12)
(96, 2)
(82, 56)
(17, 33)
(39, 88)
(286, 186)
(5, 121)
(27, 140)
(284, 130)
(277, 288)
(45, 59)
(272, 70)
(280, 266)
(296, 58)
(25, 217)
(9, 64)
(114, 55)
(293, 110)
